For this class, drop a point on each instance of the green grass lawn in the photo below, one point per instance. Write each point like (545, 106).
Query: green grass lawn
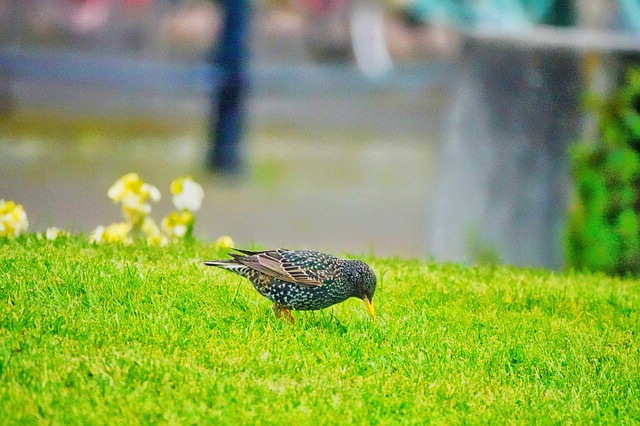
(123, 335)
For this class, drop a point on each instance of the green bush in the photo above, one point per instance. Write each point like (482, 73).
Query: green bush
(603, 228)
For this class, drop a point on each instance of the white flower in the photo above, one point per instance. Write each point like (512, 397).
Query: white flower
(96, 235)
(187, 194)
(52, 233)
(154, 193)
(179, 230)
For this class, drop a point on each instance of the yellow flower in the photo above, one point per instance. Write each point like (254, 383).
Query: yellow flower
(114, 233)
(13, 219)
(133, 193)
(178, 224)
(224, 242)
(158, 240)
(187, 194)
(152, 232)
(130, 185)
(134, 209)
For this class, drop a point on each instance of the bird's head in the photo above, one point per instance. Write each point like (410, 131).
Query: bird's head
(364, 281)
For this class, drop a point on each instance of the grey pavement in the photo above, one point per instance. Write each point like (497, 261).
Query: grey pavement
(335, 162)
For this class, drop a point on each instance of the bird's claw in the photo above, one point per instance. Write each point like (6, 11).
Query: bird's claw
(280, 311)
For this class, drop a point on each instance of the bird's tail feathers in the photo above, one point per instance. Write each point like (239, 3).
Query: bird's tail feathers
(235, 264)
(245, 252)
(230, 265)
(252, 252)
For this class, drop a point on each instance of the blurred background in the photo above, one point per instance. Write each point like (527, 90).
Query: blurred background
(413, 128)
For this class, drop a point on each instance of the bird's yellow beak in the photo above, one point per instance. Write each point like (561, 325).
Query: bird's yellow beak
(369, 305)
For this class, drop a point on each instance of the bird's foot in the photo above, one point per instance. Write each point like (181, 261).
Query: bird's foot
(281, 311)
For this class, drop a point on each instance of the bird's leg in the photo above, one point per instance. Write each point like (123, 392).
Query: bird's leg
(281, 311)
(288, 314)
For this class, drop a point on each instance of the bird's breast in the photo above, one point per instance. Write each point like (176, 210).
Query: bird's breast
(302, 298)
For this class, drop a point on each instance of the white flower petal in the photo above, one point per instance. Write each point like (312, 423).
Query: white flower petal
(180, 230)
(52, 233)
(191, 196)
(96, 235)
(154, 193)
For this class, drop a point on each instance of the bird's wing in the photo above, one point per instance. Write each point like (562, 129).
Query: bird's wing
(284, 265)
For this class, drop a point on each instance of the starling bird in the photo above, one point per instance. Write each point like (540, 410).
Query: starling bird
(302, 279)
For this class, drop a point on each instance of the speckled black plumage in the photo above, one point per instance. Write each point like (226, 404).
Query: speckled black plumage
(302, 279)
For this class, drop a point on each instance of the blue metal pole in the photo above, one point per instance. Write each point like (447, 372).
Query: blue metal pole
(227, 113)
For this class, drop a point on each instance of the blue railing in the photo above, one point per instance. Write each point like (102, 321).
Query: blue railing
(118, 71)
